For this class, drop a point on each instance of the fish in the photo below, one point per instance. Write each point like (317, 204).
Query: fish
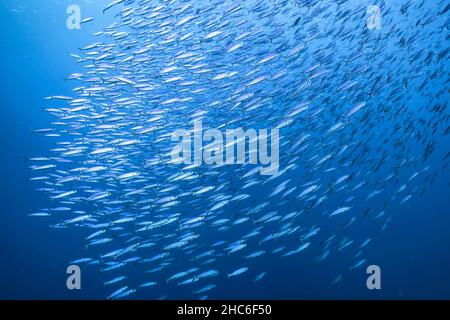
(148, 284)
(115, 280)
(237, 272)
(336, 280)
(255, 254)
(358, 264)
(339, 211)
(182, 274)
(259, 277)
(204, 289)
(356, 108)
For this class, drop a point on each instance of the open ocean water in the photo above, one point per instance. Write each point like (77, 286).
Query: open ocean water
(359, 96)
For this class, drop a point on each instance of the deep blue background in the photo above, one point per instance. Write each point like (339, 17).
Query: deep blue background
(35, 44)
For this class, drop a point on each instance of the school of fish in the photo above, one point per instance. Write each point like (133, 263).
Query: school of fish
(363, 119)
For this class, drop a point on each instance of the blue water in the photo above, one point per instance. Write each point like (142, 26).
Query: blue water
(413, 252)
